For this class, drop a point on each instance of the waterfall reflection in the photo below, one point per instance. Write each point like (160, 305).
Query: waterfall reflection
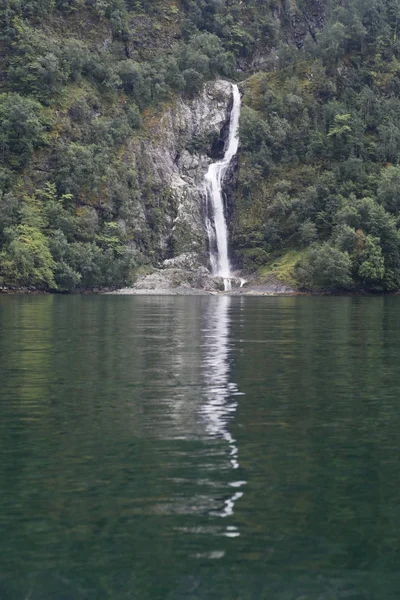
(186, 403)
(220, 406)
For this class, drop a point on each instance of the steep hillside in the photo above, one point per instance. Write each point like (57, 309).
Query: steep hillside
(317, 201)
(96, 96)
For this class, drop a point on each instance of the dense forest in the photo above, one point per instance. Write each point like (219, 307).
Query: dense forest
(317, 191)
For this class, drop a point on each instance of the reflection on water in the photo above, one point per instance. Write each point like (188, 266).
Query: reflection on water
(199, 448)
(221, 404)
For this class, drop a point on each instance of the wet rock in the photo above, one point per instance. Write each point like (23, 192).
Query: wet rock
(188, 261)
(176, 169)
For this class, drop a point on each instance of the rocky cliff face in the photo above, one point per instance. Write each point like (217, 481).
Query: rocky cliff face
(306, 20)
(180, 145)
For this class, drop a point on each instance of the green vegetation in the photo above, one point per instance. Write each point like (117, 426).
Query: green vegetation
(283, 267)
(76, 212)
(50, 246)
(320, 145)
(318, 177)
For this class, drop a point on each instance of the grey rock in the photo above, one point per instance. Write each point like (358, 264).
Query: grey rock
(179, 173)
(188, 260)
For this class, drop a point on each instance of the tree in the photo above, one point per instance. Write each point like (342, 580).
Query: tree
(22, 128)
(26, 259)
(254, 131)
(325, 267)
(389, 189)
(371, 268)
(308, 233)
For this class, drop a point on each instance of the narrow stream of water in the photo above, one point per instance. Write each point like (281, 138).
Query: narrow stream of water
(216, 226)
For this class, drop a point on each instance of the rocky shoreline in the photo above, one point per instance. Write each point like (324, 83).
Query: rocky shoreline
(259, 290)
(177, 278)
(180, 290)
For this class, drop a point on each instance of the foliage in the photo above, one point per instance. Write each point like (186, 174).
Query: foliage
(26, 258)
(318, 172)
(325, 267)
(48, 247)
(75, 77)
(22, 129)
(319, 154)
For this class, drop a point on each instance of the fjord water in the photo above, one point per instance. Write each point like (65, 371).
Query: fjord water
(199, 448)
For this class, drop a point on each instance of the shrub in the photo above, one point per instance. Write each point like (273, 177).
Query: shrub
(325, 267)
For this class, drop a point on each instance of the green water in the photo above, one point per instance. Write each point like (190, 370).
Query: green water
(199, 448)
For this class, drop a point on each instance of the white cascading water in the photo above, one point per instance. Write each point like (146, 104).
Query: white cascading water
(217, 230)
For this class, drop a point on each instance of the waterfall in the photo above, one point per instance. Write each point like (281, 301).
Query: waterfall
(217, 230)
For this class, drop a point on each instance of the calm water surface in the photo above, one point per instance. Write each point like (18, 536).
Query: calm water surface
(175, 448)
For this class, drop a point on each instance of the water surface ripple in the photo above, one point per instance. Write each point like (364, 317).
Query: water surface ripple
(181, 448)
